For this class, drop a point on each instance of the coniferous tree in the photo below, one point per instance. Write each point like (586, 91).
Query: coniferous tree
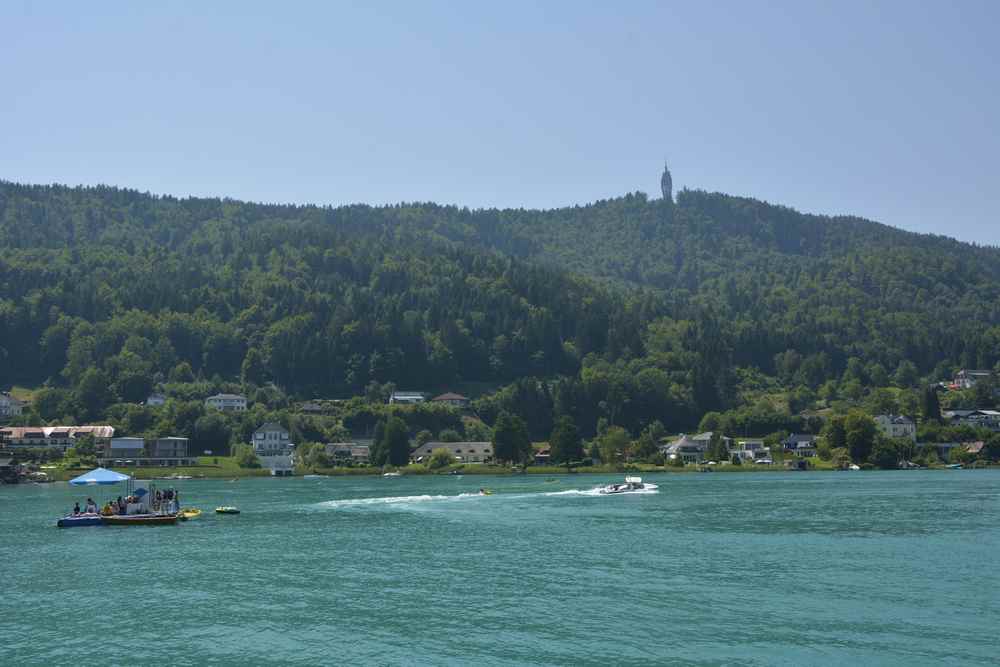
(565, 444)
(930, 406)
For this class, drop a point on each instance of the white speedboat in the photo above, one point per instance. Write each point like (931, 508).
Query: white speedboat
(630, 484)
(392, 474)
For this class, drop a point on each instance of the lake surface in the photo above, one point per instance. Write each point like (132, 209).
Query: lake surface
(888, 568)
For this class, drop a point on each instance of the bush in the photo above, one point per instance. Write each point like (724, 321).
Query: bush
(440, 458)
(246, 458)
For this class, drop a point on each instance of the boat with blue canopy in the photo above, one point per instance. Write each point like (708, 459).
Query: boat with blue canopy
(141, 507)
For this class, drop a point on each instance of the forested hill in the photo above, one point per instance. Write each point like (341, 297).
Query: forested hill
(700, 298)
(137, 285)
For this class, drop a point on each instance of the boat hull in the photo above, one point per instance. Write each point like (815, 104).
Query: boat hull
(78, 521)
(140, 520)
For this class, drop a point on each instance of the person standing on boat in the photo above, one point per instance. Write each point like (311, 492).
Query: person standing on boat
(76, 508)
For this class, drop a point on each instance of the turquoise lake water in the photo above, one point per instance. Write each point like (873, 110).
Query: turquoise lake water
(886, 568)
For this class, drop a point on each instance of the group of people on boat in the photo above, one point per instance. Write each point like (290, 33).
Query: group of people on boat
(167, 500)
(89, 508)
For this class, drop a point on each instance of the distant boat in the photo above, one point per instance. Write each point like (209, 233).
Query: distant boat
(313, 476)
(189, 513)
(392, 474)
(227, 509)
(954, 466)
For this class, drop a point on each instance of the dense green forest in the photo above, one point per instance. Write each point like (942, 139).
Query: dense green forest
(630, 310)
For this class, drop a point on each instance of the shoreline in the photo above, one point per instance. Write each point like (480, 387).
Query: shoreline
(216, 472)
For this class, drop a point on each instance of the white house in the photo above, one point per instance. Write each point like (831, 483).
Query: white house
(227, 402)
(749, 450)
(897, 426)
(465, 452)
(271, 439)
(802, 444)
(967, 378)
(9, 406)
(407, 397)
(156, 400)
(690, 448)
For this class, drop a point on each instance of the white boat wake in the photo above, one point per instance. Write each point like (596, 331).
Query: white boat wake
(412, 500)
(391, 500)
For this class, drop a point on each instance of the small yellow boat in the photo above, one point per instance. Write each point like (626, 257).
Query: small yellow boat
(189, 513)
(227, 510)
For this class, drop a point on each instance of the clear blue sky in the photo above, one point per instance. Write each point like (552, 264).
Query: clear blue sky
(885, 110)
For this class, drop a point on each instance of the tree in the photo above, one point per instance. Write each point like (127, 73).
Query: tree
(379, 453)
(859, 431)
(423, 437)
(930, 406)
(449, 435)
(92, 393)
(991, 448)
(906, 375)
(85, 446)
(710, 421)
(246, 457)
(182, 373)
(840, 457)
(565, 444)
(834, 435)
(613, 445)
(212, 433)
(882, 401)
(253, 370)
(396, 442)
(985, 394)
(885, 453)
(717, 450)
(647, 446)
(439, 458)
(511, 443)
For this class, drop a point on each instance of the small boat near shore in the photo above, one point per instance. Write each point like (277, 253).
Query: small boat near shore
(227, 509)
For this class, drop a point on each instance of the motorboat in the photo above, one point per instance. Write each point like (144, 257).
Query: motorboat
(227, 509)
(394, 473)
(630, 484)
(189, 513)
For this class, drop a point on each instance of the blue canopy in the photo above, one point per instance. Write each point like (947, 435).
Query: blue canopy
(99, 476)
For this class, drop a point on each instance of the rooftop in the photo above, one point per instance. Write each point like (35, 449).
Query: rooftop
(17, 432)
(450, 396)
